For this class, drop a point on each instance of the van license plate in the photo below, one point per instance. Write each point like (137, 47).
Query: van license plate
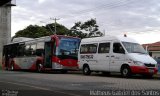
(151, 70)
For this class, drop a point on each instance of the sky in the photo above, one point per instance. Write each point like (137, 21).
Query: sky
(139, 19)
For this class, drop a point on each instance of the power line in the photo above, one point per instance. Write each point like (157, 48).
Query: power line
(108, 6)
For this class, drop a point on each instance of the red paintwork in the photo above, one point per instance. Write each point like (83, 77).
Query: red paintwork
(16, 66)
(33, 67)
(55, 37)
(3, 65)
(142, 70)
(65, 62)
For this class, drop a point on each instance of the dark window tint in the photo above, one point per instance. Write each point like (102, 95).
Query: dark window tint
(117, 48)
(88, 48)
(104, 48)
(21, 49)
(40, 49)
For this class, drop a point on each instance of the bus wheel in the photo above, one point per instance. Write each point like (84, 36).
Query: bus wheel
(126, 72)
(86, 70)
(12, 67)
(40, 68)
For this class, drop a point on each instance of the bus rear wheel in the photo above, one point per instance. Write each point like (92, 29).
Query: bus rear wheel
(12, 67)
(39, 68)
(86, 70)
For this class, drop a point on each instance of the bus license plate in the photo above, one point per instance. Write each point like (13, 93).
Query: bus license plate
(151, 70)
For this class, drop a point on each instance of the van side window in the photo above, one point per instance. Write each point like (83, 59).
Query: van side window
(104, 48)
(117, 48)
(88, 48)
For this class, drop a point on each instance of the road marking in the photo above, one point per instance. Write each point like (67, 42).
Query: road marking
(40, 88)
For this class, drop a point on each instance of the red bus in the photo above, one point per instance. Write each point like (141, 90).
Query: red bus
(53, 52)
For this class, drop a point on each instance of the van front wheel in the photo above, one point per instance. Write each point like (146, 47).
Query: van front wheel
(126, 72)
(86, 70)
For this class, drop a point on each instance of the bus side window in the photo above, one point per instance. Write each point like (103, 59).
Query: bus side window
(40, 49)
(27, 48)
(21, 50)
(33, 49)
(117, 48)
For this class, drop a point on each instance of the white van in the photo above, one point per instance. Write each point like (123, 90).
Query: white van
(115, 54)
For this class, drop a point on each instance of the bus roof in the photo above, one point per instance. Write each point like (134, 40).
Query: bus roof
(108, 38)
(45, 38)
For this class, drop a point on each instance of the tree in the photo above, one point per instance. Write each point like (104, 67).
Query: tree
(92, 27)
(81, 30)
(35, 31)
(86, 29)
(60, 29)
(32, 31)
(77, 31)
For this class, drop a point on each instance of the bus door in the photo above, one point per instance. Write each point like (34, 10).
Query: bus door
(48, 55)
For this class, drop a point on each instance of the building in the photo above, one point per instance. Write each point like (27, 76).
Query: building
(153, 49)
(5, 23)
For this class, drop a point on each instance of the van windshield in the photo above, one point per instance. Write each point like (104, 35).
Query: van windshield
(134, 48)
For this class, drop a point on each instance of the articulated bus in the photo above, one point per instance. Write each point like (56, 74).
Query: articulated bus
(53, 52)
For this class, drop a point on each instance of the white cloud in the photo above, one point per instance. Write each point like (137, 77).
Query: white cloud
(114, 16)
(41, 1)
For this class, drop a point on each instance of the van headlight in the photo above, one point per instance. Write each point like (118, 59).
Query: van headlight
(138, 63)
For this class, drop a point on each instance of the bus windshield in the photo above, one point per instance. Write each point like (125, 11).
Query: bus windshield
(68, 47)
(134, 48)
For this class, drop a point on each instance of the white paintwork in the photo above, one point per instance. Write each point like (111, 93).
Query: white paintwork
(25, 62)
(145, 58)
(101, 62)
(21, 39)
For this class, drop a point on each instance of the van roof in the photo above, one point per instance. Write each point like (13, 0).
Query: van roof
(108, 38)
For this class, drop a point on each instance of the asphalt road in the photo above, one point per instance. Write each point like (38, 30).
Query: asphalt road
(20, 83)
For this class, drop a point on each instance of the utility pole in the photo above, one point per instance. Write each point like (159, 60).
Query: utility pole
(55, 19)
(48, 26)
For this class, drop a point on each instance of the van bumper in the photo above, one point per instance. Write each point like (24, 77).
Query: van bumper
(143, 70)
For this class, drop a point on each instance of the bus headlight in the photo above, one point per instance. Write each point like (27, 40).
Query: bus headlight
(138, 63)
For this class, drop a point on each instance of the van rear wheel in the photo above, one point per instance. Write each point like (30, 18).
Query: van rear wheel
(126, 72)
(86, 70)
